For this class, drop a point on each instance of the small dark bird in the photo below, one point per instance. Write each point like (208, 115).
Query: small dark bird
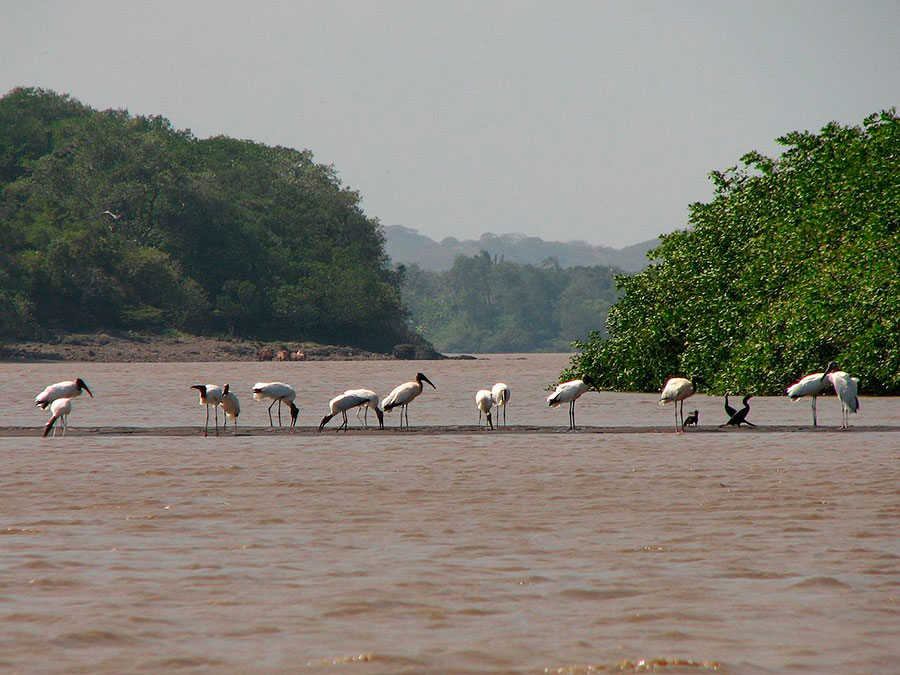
(692, 419)
(739, 417)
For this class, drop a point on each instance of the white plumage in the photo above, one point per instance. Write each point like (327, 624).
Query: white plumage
(484, 401)
(210, 395)
(66, 389)
(59, 409)
(568, 392)
(403, 395)
(811, 385)
(344, 402)
(500, 396)
(372, 402)
(279, 392)
(846, 387)
(231, 405)
(676, 390)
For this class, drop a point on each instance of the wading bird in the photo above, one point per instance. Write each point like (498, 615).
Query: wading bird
(232, 407)
(692, 419)
(60, 409)
(846, 388)
(403, 395)
(343, 403)
(568, 392)
(372, 402)
(500, 394)
(278, 392)
(677, 389)
(811, 385)
(210, 395)
(67, 389)
(738, 417)
(484, 401)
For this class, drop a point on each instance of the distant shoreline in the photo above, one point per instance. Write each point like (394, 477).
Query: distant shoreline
(140, 347)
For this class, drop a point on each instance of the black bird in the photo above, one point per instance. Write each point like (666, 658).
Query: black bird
(738, 417)
(692, 419)
(728, 409)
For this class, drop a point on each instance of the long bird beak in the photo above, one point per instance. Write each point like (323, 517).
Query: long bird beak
(380, 416)
(295, 411)
(85, 387)
(425, 379)
(322, 424)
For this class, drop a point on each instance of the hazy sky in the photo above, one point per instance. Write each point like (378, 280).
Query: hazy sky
(564, 120)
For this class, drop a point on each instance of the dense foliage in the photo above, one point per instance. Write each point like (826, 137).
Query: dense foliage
(795, 262)
(482, 305)
(117, 221)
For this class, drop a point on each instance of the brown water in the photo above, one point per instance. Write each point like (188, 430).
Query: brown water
(746, 552)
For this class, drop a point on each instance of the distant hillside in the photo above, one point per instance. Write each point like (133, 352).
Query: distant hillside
(406, 245)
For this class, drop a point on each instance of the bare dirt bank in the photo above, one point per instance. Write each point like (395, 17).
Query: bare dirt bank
(131, 347)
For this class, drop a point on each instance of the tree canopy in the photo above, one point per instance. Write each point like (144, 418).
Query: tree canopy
(794, 263)
(112, 220)
(485, 305)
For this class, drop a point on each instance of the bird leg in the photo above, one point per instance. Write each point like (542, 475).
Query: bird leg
(271, 424)
(206, 428)
(279, 412)
(814, 410)
(344, 423)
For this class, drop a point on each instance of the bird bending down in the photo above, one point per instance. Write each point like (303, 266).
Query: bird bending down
(210, 395)
(343, 403)
(846, 387)
(278, 392)
(500, 395)
(738, 417)
(60, 409)
(811, 385)
(692, 419)
(484, 401)
(568, 392)
(67, 389)
(677, 389)
(232, 407)
(372, 402)
(403, 395)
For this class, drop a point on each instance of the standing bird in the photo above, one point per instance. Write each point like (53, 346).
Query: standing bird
(60, 409)
(210, 395)
(484, 400)
(231, 405)
(500, 394)
(67, 389)
(692, 419)
(372, 402)
(811, 385)
(343, 403)
(846, 388)
(278, 392)
(677, 389)
(738, 417)
(568, 392)
(403, 395)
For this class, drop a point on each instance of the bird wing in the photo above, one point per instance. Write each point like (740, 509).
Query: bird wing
(403, 393)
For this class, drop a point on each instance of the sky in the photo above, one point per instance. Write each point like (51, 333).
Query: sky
(597, 121)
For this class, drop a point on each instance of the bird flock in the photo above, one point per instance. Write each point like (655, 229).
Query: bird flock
(58, 397)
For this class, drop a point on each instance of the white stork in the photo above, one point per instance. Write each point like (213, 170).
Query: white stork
(343, 403)
(210, 395)
(484, 402)
(403, 395)
(677, 389)
(846, 387)
(500, 395)
(60, 409)
(278, 392)
(67, 389)
(569, 392)
(372, 402)
(231, 405)
(811, 385)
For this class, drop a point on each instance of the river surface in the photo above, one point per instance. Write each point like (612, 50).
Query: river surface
(745, 551)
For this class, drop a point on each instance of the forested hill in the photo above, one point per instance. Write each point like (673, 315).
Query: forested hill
(407, 246)
(111, 220)
(794, 263)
